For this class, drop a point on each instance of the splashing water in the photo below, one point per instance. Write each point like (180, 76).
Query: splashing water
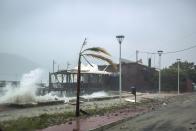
(26, 92)
(52, 96)
(95, 95)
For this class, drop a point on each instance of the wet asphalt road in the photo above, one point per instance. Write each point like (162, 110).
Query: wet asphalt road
(178, 116)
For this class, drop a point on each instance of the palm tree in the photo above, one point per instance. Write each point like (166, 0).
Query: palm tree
(95, 52)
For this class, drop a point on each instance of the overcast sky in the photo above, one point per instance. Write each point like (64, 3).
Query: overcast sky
(43, 30)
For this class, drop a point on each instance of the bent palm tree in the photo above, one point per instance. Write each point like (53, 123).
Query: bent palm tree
(95, 52)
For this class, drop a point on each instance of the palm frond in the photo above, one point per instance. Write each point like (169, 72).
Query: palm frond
(100, 57)
(87, 60)
(97, 50)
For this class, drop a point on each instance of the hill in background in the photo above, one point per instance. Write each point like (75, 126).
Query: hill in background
(13, 66)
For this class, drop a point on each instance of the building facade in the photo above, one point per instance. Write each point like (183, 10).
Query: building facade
(134, 74)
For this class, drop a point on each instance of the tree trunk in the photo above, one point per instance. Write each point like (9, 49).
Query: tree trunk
(78, 88)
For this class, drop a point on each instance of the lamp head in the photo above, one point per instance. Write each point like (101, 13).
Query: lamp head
(120, 38)
(178, 60)
(160, 52)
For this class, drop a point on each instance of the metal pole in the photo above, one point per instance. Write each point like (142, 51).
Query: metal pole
(160, 53)
(154, 60)
(159, 73)
(120, 70)
(53, 66)
(120, 39)
(178, 76)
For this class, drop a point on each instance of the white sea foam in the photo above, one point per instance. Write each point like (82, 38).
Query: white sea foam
(26, 92)
(52, 96)
(95, 95)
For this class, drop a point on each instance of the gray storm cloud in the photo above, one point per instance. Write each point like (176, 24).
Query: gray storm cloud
(48, 29)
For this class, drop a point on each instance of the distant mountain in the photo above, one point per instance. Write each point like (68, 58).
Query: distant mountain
(13, 66)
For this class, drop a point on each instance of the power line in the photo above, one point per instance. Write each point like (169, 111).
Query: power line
(180, 50)
(146, 52)
(169, 52)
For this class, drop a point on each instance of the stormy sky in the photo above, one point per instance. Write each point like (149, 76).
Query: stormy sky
(43, 30)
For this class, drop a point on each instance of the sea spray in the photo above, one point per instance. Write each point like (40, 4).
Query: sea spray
(95, 95)
(26, 92)
(54, 95)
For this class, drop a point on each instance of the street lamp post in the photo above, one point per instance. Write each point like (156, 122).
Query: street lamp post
(120, 39)
(178, 60)
(160, 52)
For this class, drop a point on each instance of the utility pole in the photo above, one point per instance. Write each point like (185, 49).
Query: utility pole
(178, 60)
(160, 52)
(137, 52)
(53, 62)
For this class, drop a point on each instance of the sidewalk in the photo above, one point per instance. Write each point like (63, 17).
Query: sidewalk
(98, 122)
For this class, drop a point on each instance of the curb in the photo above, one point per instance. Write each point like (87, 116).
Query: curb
(104, 127)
